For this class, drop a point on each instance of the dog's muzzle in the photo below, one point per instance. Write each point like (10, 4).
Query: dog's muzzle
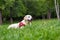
(30, 20)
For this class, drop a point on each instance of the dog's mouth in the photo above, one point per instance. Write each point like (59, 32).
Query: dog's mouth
(30, 20)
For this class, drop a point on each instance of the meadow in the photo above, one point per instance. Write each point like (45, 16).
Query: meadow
(39, 30)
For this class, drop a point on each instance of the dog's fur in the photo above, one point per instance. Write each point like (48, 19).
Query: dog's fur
(26, 20)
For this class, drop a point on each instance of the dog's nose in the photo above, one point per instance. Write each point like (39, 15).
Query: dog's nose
(30, 20)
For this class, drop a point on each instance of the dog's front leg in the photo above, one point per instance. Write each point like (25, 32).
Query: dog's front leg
(30, 24)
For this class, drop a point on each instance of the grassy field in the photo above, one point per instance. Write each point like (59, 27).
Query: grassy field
(40, 30)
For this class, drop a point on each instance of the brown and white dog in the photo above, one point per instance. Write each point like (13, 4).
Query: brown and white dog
(26, 20)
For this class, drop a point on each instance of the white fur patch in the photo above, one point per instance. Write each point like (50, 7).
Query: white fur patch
(16, 25)
(28, 17)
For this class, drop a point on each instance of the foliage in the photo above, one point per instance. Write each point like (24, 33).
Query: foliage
(23, 7)
(20, 8)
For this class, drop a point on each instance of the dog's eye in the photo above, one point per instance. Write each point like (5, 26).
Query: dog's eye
(28, 16)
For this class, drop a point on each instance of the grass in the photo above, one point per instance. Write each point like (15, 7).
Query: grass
(40, 30)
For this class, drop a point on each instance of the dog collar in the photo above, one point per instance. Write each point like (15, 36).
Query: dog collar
(21, 24)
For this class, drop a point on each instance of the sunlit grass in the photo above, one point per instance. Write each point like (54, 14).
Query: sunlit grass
(40, 30)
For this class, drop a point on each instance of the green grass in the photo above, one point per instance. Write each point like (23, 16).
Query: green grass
(40, 30)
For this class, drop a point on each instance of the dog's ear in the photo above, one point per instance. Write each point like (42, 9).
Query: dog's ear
(25, 18)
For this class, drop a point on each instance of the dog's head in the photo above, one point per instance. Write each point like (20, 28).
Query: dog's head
(28, 18)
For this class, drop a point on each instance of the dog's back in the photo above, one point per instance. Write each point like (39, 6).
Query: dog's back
(13, 26)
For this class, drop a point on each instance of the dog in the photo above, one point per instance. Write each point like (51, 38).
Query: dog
(26, 20)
